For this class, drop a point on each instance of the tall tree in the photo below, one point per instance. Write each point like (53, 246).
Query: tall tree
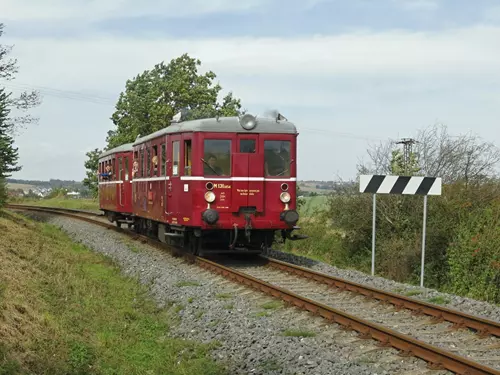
(152, 98)
(92, 165)
(10, 124)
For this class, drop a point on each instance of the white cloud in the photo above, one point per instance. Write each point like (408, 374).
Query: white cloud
(361, 83)
(93, 10)
(103, 60)
(418, 4)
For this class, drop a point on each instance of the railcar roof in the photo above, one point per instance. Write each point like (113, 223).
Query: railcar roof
(223, 125)
(121, 148)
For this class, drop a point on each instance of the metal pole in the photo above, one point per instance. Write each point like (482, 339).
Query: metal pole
(423, 244)
(373, 233)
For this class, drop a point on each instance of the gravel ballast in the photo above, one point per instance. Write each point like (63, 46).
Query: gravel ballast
(466, 305)
(256, 334)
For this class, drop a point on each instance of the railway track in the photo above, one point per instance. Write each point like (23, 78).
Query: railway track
(442, 337)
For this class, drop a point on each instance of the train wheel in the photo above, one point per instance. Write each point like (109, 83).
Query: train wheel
(118, 224)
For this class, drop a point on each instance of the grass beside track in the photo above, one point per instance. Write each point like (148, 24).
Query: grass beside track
(60, 202)
(67, 310)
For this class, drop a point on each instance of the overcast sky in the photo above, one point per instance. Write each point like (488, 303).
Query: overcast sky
(348, 73)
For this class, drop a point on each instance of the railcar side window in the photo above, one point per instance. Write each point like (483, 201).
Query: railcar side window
(187, 158)
(247, 146)
(126, 168)
(175, 158)
(148, 163)
(163, 160)
(112, 170)
(135, 165)
(217, 157)
(277, 158)
(155, 160)
(141, 163)
(120, 169)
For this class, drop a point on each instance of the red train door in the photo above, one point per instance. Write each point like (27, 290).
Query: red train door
(249, 171)
(165, 173)
(174, 190)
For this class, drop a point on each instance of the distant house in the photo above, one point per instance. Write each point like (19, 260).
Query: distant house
(73, 194)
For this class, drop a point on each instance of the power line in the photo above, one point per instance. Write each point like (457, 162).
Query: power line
(95, 99)
(64, 94)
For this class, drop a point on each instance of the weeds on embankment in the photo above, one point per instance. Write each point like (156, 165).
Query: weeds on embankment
(65, 309)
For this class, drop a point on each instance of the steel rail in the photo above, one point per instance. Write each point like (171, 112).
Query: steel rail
(59, 209)
(484, 327)
(437, 358)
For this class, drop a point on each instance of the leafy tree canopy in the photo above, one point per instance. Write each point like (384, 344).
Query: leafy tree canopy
(152, 98)
(92, 165)
(8, 123)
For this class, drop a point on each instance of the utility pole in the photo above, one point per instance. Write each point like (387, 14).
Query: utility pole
(407, 150)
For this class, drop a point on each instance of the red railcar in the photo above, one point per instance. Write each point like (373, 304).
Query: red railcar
(115, 184)
(218, 184)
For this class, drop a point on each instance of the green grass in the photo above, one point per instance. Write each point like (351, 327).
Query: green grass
(439, 300)
(272, 305)
(261, 314)
(413, 293)
(61, 202)
(270, 365)
(131, 245)
(298, 333)
(311, 204)
(181, 284)
(224, 296)
(67, 310)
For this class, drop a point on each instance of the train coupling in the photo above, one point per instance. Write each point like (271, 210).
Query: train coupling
(287, 234)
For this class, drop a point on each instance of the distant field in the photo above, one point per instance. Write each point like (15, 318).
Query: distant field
(76, 204)
(311, 187)
(313, 203)
(12, 186)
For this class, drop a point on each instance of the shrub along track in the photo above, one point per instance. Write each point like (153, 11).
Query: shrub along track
(320, 292)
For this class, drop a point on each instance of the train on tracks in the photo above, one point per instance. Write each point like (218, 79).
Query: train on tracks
(214, 185)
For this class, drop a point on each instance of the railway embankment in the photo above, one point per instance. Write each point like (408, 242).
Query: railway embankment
(250, 332)
(65, 309)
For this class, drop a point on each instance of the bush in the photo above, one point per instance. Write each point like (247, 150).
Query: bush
(460, 214)
(474, 255)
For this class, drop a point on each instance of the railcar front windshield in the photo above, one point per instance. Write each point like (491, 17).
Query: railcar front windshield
(277, 158)
(217, 157)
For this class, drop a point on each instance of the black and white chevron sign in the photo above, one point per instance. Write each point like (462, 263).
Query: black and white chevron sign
(408, 185)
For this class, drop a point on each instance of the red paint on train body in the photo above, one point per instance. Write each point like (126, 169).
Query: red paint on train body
(115, 182)
(228, 183)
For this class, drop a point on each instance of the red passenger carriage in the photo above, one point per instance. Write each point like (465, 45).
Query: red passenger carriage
(115, 184)
(215, 185)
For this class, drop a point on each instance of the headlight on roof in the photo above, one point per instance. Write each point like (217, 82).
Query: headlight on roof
(248, 122)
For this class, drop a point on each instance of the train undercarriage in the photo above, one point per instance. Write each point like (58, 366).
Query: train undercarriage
(200, 242)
